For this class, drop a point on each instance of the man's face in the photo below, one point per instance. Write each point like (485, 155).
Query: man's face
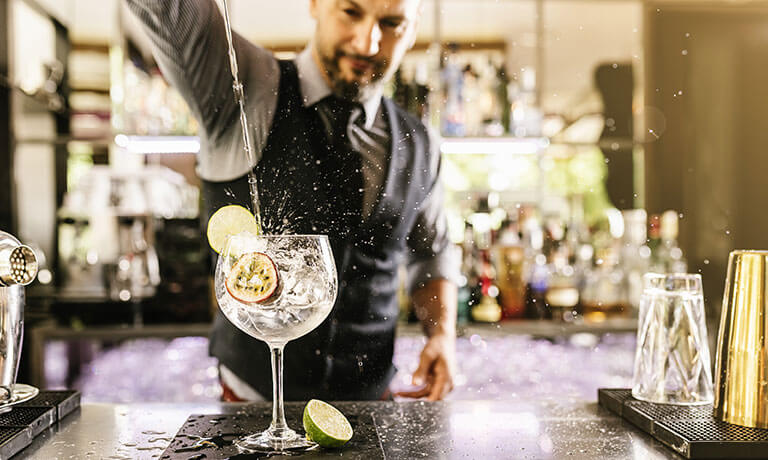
(360, 43)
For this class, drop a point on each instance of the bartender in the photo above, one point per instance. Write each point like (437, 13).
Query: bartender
(338, 159)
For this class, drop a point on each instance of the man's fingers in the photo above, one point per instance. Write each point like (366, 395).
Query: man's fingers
(425, 363)
(437, 389)
(434, 371)
(420, 393)
(447, 388)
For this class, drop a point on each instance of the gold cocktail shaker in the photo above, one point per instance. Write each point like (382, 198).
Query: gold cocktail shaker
(741, 369)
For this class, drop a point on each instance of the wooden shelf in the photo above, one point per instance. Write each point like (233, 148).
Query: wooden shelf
(89, 89)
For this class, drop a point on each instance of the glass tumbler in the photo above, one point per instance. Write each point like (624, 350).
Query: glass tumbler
(672, 360)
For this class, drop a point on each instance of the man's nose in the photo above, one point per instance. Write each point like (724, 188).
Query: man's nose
(367, 38)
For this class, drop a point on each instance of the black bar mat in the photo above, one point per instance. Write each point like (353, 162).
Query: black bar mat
(26, 420)
(65, 401)
(210, 437)
(13, 439)
(691, 431)
(36, 418)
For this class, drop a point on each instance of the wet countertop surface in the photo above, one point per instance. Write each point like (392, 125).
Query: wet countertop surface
(545, 428)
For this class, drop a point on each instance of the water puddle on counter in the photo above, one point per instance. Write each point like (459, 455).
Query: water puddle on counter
(216, 441)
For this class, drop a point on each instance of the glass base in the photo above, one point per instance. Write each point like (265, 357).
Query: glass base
(275, 441)
(673, 399)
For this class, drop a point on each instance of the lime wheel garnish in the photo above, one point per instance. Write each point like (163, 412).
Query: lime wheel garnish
(228, 221)
(253, 278)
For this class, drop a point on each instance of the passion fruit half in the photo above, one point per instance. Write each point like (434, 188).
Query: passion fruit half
(253, 278)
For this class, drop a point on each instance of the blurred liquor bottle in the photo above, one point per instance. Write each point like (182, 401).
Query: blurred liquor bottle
(562, 296)
(526, 116)
(582, 250)
(654, 237)
(467, 294)
(411, 91)
(536, 267)
(536, 289)
(509, 260)
(605, 294)
(472, 101)
(502, 97)
(487, 310)
(669, 257)
(635, 254)
(452, 122)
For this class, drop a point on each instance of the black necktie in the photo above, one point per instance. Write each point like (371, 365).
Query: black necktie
(343, 165)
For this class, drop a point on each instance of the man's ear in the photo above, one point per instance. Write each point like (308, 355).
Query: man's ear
(415, 27)
(413, 40)
(414, 34)
(313, 8)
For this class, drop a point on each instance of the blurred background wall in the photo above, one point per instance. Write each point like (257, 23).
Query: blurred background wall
(706, 107)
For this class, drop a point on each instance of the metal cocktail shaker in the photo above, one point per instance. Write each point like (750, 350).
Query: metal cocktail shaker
(18, 267)
(741, 370)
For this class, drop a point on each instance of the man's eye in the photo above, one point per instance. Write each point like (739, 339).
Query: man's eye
(391, 23)
(351, 12)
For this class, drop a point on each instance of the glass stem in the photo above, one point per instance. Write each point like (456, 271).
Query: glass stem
(278, 425)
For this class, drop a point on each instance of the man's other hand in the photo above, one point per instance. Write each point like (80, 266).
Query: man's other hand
(436, 369)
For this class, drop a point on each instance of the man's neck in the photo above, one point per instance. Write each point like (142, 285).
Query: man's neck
(316, 83)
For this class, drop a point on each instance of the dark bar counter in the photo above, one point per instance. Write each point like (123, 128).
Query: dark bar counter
(549, 428)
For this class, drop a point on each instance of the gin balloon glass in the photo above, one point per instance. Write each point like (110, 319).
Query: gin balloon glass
(276, 288)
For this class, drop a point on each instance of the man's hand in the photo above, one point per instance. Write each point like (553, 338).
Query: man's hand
(436, 369)
(435, 304)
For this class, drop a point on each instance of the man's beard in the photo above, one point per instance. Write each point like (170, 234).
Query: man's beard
(352, 90)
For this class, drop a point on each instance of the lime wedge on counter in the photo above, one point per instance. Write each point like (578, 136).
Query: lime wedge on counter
(325, 425)
(227, 221)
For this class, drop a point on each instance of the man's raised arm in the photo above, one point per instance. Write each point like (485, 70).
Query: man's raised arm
(190, 46)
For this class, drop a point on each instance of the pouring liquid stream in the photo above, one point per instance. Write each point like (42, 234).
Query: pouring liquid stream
(237, 87)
